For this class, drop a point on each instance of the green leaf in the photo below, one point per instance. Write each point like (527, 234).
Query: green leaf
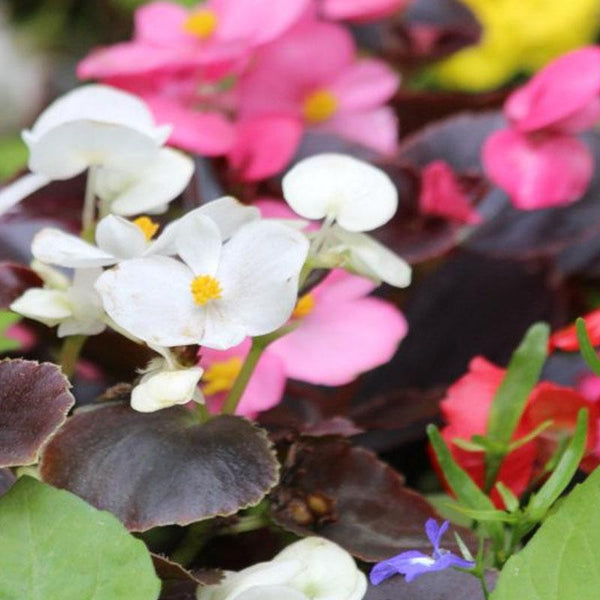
(561, 561)
(509, 401)
(55, 546)
(510, 500)
(13, 156)
(7, 319)
(585, 346)
(541, 502)
(464, 488)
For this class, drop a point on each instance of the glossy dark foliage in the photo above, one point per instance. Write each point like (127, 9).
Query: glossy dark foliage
(160, 468)
(34, 402)
(346, 494)
(6, 480)
(443, 585)
(14, 280)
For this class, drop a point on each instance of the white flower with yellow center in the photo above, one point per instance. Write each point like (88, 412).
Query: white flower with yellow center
(310, 569)
(118, 239)
(75, 307)
(352, 197)
(165, 383)
(100, 127)
(218, 295)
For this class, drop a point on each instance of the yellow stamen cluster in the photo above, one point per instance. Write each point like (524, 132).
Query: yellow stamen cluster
(201, 23)
(148, 226)
(320, 106)
(304, 306)
(205, 288)
(221, 376)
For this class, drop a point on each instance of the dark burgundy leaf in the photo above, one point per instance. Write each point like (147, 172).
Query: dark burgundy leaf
(161, 468)
(178, 590)
(14, 280)
(443, 585)
(167, 569)
(344, 493)
(6, 480)
(34, 402)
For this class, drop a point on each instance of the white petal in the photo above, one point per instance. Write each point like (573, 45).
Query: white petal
(66, 250)
(47, 306)
(70, 148)
(229, 214)
(328, 570)
(151, 299)
(222, 330)
(157, 185)
(86, 304)
(80, 327)
(13, 193)
(272, 592)
(359, 196)
(99, 103)
(165, 388)
(370, 258)
(198, 243)
(120, 238)
(259, 275)
(52, 278)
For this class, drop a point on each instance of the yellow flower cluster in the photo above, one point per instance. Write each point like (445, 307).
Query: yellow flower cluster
(519, 36)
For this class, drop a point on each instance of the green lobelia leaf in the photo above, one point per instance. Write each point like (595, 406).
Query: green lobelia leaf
(561, 561)
(161, 468)
(586, 347)
(54, 546)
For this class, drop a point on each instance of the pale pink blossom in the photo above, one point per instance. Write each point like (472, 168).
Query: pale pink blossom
(538, 171)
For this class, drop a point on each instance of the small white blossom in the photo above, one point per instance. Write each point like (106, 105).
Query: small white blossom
(310, 569)
(118, 239)
(352, 197)
(218, 295)
(76, 309)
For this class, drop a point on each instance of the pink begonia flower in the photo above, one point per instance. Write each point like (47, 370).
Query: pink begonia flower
(538, 171)
(360, 10)
(312, 77)
(342, 332)
(441, 195)
(221, 368)
(169, 36)
(564, 96)
(23, 335)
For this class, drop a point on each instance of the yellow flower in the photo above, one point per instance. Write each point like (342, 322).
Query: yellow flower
(519, 36)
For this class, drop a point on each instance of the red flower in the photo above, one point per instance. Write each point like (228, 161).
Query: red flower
(566, 338)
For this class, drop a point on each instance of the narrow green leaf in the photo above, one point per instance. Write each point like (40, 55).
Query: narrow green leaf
(541, 502)
(561, 561)
(464, 488)
(54, 546)
(531, 435)
(585, 346)
(510, 500)
(509, 402)
(485, 516)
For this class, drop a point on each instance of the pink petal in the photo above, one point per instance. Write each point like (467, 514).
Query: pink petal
(161, 23)
(341, 286)
(264, 146)
(256, 21)
(589, 387)
(563, 95)
(360, 10)
(265, 389)
(206, 133)
(308, 57)
(376, 129)
(538, 172)
(342, 337)
(442, 196)
(366, 84)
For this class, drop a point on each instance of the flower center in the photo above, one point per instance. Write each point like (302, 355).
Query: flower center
(201, 23)
(304, 306)
(205, 288)
(320, 106)
(147, 225)
(221, 376)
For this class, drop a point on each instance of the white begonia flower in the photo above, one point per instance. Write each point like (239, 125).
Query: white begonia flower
(76, 309)
(218, 295)
(352, 197)
(92, 126)
(165, 383)
(118, 239)
(310, 569)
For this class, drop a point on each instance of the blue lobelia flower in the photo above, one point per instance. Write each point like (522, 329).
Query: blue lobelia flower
(411, 564)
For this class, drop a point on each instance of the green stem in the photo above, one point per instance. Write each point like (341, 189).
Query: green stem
(197, 535)
(202, 413)
(89, 205)
(69, 353)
